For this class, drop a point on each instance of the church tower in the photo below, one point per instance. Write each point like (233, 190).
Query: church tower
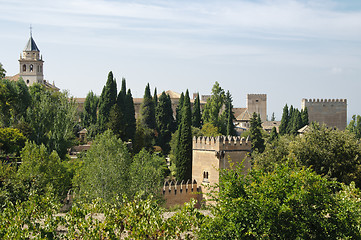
(31, 63)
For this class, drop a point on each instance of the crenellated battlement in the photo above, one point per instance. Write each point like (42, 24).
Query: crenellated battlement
(221, 143)
(171, 187)
(324, 100)
(257, 95)
(177, 193)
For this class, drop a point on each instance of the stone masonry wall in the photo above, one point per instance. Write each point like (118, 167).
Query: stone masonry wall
(332, 112)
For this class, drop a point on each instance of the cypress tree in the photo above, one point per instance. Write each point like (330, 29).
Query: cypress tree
(296, 121)
(290, 120)
(284, 121)
(273, 118)
(304, 117)
(230, 126)
(115, 122)
(196, 116)
(179, 110)
(273, 135)
(256, 134)
(129, 116)
(184, 145)
(147, 110)
(155, 97)
(164, 118)
(107, 100)
(89, 116)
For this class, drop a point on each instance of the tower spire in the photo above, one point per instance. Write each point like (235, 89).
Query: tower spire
(31, 31)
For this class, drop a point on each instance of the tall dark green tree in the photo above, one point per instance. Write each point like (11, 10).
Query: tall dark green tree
(290, 119)
(179, 110)
(304, 117)
(355, 126)
(196, 115)
(273, 118)
(147, 110)
(284, 121)
(230, 125)
(107, 99)
(129, 115)
(273, 135)
(296, 121)
(155, 97)
(90, 108)
(256, 133)
(165, 122)
(184, 146)
(2, 71)
(116, 121)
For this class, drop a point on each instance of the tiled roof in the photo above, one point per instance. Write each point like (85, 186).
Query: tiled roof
(31, 45)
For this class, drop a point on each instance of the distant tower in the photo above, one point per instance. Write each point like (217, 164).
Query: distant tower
(31, 63)
(257, 103)
(332, 112)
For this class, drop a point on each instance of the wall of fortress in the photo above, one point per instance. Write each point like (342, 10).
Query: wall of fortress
(332, 112)
(175, 193)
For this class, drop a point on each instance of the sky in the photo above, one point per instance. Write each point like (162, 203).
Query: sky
(287, 49)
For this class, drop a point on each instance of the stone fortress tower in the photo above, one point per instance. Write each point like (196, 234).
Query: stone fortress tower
(210, 154)
(257, 103)
(332, 112)
(31, 63)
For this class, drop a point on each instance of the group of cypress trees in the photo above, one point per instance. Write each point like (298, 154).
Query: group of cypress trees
(292, 120)
(111, 110)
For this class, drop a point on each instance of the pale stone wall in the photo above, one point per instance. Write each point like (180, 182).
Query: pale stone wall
(180, 193)
(257, 103)
(332, 112)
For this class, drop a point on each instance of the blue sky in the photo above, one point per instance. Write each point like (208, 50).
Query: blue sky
(285, 48)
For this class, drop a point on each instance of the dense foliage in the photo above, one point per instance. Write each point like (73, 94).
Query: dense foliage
(283, 204)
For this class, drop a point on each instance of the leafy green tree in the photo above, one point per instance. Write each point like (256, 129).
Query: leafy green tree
(196, 114)
(11, 140)
(179, 110)
(44, 170)
(355, 125)
(52, 117)
(184, 145)
(165, 122)
(213, 107)
(147, 110)
(331, 153)
(209, 130)
(146, 174)
(284, 121)
(89, 116)
(107, 99)
(144, 138)
(256, 133)
(105, 171)
(282, 204)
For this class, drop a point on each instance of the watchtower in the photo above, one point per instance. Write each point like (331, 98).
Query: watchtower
(213, 153)
(257, 103)
(332, 112)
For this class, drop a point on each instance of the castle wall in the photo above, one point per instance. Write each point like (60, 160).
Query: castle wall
(257, 103)
(332, 112)
(180, 193)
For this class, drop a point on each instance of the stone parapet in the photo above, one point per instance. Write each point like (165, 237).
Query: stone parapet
(221, 143)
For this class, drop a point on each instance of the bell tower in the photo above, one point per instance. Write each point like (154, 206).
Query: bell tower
(31, 63)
